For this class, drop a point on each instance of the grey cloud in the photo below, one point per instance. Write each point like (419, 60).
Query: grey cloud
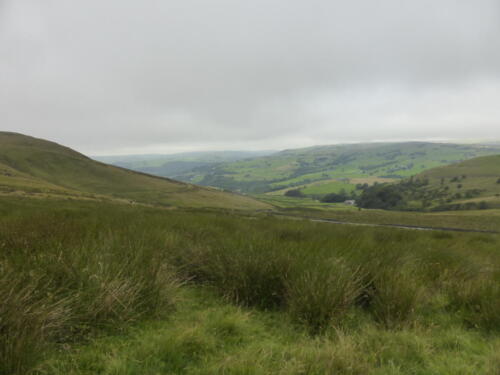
(108, 75)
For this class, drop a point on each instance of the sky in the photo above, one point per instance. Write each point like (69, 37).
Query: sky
(164, 76)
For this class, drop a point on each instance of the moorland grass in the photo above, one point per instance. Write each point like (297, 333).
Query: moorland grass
(208, 336)
(363, 298)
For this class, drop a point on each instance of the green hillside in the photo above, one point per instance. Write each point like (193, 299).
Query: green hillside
(473, 180)
(470, 184)
(38, 167)
(333, 166)
(176, 165)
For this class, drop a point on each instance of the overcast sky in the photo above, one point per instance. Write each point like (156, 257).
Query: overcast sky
(143, 76)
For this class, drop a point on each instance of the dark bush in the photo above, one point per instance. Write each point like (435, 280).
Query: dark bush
(295, 193)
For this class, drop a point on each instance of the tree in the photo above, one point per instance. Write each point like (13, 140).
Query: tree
(334, 198)
(381, 196)
(483, 205)
(295, 193)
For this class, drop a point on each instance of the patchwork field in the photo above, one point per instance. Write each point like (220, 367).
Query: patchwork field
(299, 167)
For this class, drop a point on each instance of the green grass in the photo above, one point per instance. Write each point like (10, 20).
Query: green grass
(94, 288)
(207, 336)
(38, 167)
(320, 188)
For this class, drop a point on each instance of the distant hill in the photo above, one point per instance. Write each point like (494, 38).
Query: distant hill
(472, 184)
(324, 169)
(177, 165)
(31, 166)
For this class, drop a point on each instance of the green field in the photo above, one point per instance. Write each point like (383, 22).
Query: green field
(321, 187)
(299, 167)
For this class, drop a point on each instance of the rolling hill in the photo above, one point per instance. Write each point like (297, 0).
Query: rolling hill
(31, 166)
(470, 184)
(325, 169)
(472, 181)
(175, 165)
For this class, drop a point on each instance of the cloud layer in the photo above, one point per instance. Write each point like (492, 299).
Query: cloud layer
(162, 76)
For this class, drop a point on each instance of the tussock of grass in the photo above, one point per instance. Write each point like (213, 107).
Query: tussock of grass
(71, 271)
(252, 275)
(322, 293)
(28, 318)
(396, 296)
(58, 286)
(479, 301)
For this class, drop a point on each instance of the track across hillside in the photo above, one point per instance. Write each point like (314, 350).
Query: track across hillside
(400, 226)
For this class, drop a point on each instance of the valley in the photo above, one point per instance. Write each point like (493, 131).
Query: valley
(105, 270)
(324, 169)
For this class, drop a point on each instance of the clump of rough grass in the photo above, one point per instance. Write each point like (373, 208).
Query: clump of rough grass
(251, 275)
(493, 362)
(57, 291)
(397, 294)
(29, 317)
(393, 286)
(320, 293)
(479, 301)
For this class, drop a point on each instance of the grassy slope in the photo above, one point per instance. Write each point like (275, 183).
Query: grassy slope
(480, 173)
(303, 166)
(38, 166)
(469, 185)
